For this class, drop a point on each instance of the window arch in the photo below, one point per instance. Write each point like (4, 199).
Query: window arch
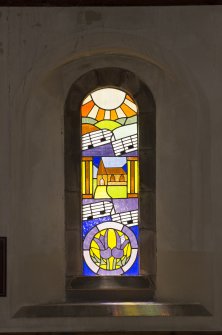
(136, 90)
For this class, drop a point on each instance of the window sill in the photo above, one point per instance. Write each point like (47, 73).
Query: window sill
(108, 309)
(109, 289)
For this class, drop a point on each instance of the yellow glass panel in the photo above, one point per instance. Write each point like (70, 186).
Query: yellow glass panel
(111, 238)
(83, 178)
(128, 176)
(136, 176)
(96, 252)
(90, 177)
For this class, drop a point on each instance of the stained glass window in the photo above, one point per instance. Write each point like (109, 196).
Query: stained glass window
(110, 183)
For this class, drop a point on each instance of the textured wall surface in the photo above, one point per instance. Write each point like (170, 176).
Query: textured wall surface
(177, 52)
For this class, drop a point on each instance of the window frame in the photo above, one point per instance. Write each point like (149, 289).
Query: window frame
(77, 285)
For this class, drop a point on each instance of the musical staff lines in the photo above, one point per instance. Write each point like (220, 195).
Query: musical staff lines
(124, 145)
(97, 210)
(129, 218)
(96, 139)
(106, 208)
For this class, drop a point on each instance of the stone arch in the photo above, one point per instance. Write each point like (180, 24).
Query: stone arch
(130, 82)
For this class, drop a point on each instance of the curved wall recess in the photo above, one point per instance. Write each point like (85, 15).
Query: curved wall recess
(129, 82)
(165, 99)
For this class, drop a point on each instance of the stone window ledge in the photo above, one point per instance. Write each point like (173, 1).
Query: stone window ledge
(110, 309)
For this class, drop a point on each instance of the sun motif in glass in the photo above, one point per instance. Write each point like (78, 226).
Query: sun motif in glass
(110, 183)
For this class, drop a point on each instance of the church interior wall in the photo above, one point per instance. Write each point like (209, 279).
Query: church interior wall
(42, 52)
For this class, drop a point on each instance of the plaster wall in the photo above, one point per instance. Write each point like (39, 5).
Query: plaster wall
(177, 52)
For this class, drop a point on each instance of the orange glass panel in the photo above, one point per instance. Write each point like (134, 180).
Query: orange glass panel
(113, 115)
(127, 110)
(132, 175)
(129, 98)
(88, 128)
(87, 108)
(100, 114)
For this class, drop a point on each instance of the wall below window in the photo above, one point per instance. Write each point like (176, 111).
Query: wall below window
(177, 52)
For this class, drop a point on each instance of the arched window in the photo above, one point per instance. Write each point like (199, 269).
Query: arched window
(110, 207)
(114, 190)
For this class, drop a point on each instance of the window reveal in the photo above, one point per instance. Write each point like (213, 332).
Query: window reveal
(110, 183)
